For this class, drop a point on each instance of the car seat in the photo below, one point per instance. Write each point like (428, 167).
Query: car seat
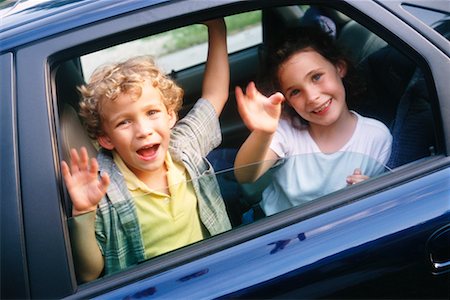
(358, 42)
(73, 134)
(397, 94)
(413, 128)
(71, 131)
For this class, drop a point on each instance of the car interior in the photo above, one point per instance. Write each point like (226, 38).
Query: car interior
(396, 88)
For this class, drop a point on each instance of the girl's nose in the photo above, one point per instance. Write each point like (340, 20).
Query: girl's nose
(311, 94)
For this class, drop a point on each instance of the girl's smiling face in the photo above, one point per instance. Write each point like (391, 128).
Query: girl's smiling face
(138, 128)
(313, 86)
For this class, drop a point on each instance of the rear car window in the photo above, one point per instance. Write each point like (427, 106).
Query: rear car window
(180, 48)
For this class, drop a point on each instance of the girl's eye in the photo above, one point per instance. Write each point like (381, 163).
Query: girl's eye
(294, 92)
(316, 77)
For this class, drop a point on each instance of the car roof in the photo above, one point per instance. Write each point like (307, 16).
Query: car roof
(25, 21)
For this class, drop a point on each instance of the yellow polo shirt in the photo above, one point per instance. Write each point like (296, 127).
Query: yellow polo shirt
(167, 221)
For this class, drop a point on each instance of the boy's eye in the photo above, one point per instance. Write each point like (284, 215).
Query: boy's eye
(122, 123)
(152, 112)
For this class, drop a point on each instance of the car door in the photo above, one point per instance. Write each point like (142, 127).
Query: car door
(375, 240)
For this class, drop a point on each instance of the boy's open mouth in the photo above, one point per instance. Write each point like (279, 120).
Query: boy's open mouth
(148, 151)
(323, 108)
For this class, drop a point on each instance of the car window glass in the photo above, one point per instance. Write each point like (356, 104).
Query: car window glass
(249, 200)
(295, 180)
(180, 48)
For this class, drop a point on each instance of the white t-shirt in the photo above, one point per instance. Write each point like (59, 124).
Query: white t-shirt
(306, 173)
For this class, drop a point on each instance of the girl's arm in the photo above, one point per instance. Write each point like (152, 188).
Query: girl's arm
(254, 157)
(261, 115)
(216, 80)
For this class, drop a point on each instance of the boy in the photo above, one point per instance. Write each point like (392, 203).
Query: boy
(155, 192)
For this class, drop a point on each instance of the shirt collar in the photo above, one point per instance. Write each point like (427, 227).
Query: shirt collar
(174, 173)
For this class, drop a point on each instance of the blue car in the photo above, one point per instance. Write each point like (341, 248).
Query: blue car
(386, 237)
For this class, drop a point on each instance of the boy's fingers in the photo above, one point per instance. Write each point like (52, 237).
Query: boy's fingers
(65, 170)
(104, 181)
(93, 168)
(74, 160)
(84, 159)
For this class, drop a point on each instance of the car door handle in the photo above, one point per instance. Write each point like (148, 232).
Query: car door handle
(438, 247)
(440, 266)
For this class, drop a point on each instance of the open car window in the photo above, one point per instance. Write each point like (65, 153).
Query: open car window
(180, 48)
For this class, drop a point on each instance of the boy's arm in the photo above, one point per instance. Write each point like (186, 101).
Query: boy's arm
(216, 80)
(260, 114)
(88, 260)
(86, 191)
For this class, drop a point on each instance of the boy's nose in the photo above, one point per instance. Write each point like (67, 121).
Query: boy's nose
(144, 129)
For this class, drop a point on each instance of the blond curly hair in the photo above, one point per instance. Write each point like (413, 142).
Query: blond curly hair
(127, 77)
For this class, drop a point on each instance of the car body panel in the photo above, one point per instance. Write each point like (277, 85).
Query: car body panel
(344, 244)
(11, 208)
(47, 18)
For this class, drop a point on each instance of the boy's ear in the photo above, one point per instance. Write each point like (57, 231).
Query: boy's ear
(105, 142)
(172, 118)
(341, 67)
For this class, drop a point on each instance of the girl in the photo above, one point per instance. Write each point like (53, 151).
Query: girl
(328, 145)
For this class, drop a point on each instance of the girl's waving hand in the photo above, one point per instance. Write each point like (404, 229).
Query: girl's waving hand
(257, 111)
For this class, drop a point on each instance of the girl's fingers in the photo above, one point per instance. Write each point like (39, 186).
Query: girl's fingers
(238, 93)
(251, 90)
(357, 171)
(276, 98)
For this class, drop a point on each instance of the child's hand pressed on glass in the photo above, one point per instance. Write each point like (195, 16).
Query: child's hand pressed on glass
(85, 188)
(257, 111)
(356, 177)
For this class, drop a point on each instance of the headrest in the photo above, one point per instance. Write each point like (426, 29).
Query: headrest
(73, 134)
(358, 42)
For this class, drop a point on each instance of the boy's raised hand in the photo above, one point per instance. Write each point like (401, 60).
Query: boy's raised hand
(257, 111)
(219, 23)
(82, 182)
